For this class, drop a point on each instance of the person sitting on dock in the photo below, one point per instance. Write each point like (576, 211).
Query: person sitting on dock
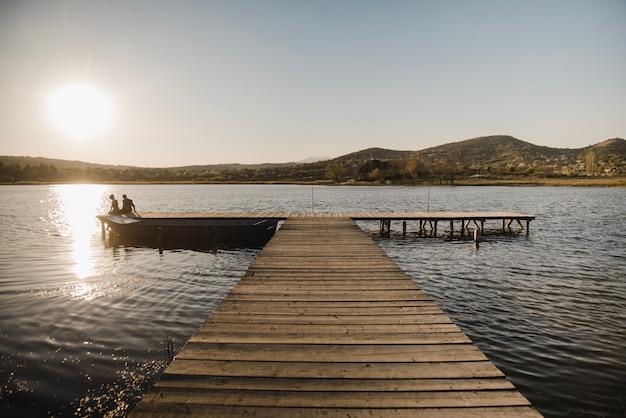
(115, 207)
(127, 205)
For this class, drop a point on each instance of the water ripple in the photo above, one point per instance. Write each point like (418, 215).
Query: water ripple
(86, 327)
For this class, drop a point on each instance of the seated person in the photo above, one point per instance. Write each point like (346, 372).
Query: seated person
(127, 205)
(115, 207)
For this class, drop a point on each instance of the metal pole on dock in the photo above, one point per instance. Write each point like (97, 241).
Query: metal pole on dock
(476, 237)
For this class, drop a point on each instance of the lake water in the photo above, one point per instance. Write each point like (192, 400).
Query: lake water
(86, 327)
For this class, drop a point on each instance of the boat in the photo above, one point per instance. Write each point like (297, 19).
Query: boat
(188, 230)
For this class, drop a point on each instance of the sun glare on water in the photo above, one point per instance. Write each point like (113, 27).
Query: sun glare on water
(80, 110)
(74, 214)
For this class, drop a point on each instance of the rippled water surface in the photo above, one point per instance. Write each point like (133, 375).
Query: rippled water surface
(86, 327)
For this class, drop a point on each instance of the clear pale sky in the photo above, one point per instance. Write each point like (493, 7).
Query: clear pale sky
(201, 82)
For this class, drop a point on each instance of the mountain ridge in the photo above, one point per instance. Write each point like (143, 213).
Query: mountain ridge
(472, 148)
(495, 157)
(494, 148)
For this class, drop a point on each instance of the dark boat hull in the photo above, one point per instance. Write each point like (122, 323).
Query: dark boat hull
(168, 232)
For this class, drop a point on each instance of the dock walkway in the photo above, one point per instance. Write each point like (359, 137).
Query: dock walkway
(324, 324)
(385, 218)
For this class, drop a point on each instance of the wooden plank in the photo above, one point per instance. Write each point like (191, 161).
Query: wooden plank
(160, 410)
(383, 353)
(324, 324)
(271, 328)
(338, 385)
(336, 370)
(407, 313)
(307, 338)
(327, 399)
(327, 296)
(319, 319)
(260, 283)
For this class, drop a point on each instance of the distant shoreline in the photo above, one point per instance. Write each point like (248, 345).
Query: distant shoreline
(618, 182)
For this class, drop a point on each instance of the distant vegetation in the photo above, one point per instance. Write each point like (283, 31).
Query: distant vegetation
(482, 160)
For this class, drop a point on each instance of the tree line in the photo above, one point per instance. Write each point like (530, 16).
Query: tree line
(411, 169)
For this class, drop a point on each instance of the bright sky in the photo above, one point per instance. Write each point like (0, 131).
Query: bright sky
(202, 82)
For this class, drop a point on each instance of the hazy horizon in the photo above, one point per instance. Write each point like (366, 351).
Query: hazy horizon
(162, 84)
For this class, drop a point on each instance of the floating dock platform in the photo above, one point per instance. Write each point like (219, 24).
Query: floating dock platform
(324, 324)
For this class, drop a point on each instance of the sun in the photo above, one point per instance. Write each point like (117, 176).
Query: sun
(79, 110)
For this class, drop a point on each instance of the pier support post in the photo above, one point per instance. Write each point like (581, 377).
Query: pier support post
(103, 230)
(385, 227)
(160, 239)
(451, 228)
(403, 228)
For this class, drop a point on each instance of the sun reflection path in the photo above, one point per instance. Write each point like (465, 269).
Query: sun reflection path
(75, 216)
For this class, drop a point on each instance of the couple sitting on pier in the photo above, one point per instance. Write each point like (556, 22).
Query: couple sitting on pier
(127, 205)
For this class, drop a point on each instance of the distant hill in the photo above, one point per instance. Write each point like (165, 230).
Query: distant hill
(491, 150)
(495, 150)
(495, 157)
(372, 154)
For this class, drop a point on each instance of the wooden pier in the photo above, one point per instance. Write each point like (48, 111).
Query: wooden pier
(324, 324)
(385, 218)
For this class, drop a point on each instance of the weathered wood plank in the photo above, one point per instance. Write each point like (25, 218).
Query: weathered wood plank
(382, 353)
(291, 285)
(159, 410)
(308, 319)
(326, 296)
(338, 385)
(327, 399)
(302, 338)
(338, 370)
(234, 327)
